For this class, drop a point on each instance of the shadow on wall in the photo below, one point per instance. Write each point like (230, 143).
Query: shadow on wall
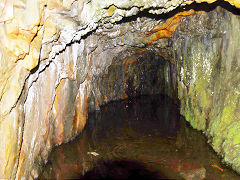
(121, 169)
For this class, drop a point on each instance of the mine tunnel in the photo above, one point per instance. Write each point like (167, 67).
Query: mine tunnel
(122, 89)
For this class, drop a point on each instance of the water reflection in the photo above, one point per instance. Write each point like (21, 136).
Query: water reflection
(136, 117)
(142, 136)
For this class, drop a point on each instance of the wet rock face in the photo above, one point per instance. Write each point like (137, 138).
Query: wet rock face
(208, 76)
(70, 57)
(109, 64)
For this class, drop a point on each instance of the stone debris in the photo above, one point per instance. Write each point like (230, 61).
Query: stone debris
(93, 153)
(194, 174)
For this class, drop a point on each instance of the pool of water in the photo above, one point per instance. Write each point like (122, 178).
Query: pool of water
(137, 137)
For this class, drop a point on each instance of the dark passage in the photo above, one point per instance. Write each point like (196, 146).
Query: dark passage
(143, 137)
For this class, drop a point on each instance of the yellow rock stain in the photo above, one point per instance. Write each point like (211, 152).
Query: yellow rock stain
(111, 10)
(166, 29)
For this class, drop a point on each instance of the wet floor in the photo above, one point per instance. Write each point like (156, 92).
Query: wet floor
(138, 137)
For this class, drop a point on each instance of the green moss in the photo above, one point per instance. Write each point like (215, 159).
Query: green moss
(200, 120)
(226, 130)
(230, 146)
(213, 126)
(187, 112)
(228, 113)
(200, 103)
(236, 138)
(208, 68)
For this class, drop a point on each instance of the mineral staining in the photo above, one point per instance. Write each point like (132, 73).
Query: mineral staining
(166, 29)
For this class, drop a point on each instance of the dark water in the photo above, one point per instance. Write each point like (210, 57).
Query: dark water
(139, 137)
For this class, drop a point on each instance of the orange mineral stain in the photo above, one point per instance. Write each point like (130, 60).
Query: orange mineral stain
(217, 167)
(141, 50)
(128, 61)
(20, 165)
(81, 109)
(167, 29)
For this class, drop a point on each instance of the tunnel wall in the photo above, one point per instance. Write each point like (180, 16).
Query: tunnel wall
(133, 73)
(61, 103)
(208, 79)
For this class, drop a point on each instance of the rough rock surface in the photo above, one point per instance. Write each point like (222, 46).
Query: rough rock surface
(208, 79)
(55, 57)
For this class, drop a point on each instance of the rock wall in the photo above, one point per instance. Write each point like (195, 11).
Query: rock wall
(55, 55)
(208, 75)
